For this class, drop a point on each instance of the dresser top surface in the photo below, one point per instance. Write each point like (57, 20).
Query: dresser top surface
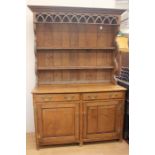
(76, 88)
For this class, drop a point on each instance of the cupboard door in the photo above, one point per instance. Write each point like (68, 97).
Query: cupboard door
(102, 120)
(59, 123)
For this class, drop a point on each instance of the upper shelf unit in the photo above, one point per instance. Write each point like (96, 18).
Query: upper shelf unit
(75, 44)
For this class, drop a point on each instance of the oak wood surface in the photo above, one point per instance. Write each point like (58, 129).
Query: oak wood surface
(74, 88)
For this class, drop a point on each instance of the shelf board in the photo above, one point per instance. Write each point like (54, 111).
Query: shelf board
(52, 48)
(75, 82)
(75, 67)
(97, 86)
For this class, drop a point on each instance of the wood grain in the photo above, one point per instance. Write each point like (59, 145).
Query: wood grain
(69, 88)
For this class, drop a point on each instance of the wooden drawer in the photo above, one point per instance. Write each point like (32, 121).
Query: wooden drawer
(106, 95)
(56, 97)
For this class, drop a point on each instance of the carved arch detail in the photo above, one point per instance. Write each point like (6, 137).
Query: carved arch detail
(51, 17)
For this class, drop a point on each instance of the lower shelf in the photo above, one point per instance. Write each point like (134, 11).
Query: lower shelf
(75, 67)
(76, 82)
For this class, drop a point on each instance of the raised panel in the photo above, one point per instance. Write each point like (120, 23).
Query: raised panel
(92, 117)
(106, 118)
(102, 120)
(58, 122)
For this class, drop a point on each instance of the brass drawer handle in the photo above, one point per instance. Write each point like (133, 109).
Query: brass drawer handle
(92, 97)
(113, 95)
(47, 99)
(72, 97)
(65, 98)
(69, 97)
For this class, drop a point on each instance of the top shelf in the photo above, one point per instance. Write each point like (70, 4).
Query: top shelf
(57, 48)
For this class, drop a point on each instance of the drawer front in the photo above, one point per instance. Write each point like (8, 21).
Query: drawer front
(106, 95)
(56, 97)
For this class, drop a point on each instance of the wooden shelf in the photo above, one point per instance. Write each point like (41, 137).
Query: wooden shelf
(75, 67)
(75, 82)
(74, 88)
(52, 48)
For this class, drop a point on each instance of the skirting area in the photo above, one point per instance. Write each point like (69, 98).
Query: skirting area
(104, 148)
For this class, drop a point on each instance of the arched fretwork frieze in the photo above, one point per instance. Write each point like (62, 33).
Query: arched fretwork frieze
(76, 18)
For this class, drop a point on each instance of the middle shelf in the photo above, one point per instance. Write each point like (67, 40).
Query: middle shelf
(109, 48)
(74, 67)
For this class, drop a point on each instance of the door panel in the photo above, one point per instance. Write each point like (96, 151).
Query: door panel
(92, 119)
(102, 119)
(106, 118)
(59, 122)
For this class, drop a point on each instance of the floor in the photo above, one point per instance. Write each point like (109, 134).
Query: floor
(104, 148)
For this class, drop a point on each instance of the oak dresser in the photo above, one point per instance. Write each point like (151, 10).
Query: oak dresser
(76, 98)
